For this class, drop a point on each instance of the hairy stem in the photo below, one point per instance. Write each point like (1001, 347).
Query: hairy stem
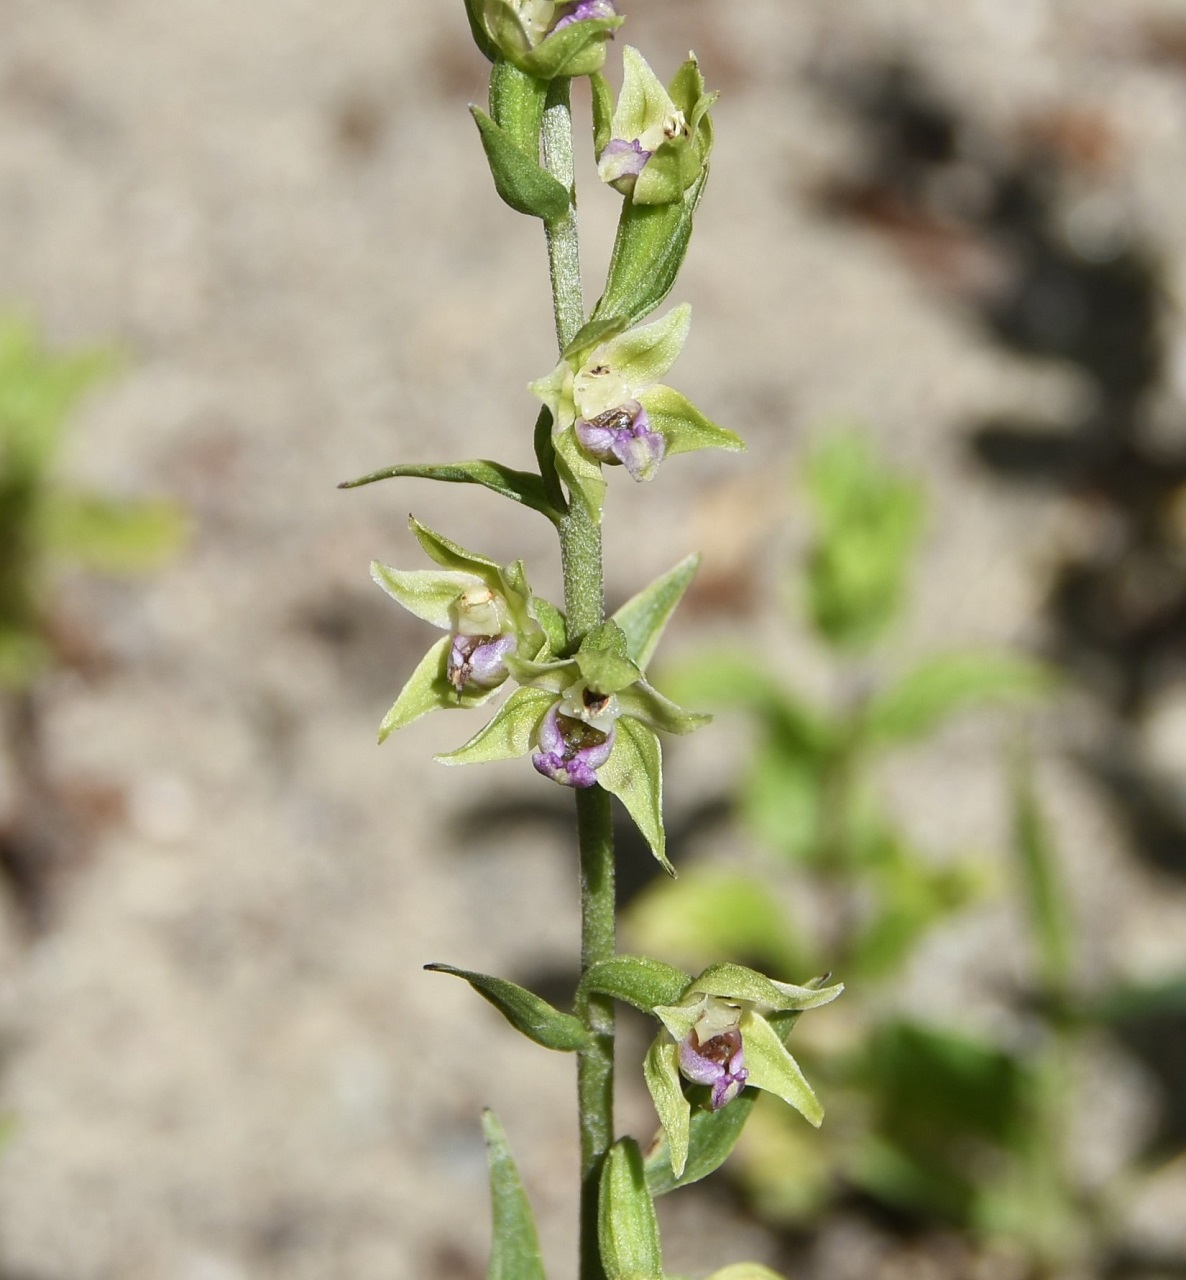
(580, 549)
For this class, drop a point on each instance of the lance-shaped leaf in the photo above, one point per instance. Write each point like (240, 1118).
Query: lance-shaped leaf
(517, 103)
(644, 616)
(682, 425)
(713, 1135)
(525, 1011)
(636, 980)
(648, 252)
(772, 1068)
(429, 689)
(518, 178)
(514, 1254)
(509, 734)
(627, 1228)
(520, 486)
(634, 773)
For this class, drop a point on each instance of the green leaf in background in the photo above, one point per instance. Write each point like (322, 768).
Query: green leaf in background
(628, 1230)
(1043, 892)
(528, 1013)
(712, 1137)
(514, 1254)
(518, 178)
(942, 687)
(711, 913)
(868, 520)
(509, 734)
(648, 252)
(520, 486)
(109, 535)
(644, 616)
(634, 773)
(636, 980)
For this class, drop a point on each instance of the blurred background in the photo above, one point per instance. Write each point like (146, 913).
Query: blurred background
(937, 281)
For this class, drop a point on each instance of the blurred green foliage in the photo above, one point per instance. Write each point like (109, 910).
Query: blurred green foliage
(924, 1118)
(43, 521)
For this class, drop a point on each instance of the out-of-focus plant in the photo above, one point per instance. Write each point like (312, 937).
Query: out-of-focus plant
(924, 1108)
(46, 524)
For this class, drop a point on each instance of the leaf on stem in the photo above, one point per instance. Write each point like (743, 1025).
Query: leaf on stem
(520, 486)
(514, 1253)
(528, 1013)
(627, 1228)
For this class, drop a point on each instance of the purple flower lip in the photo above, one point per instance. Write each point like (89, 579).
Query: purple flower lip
(580, 10)
(478, 662)
(718, 1062)
(570, 751)
(623, 435)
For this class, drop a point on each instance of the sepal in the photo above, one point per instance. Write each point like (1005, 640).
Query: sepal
(644, 616)
(514, 1253)
(509, 734)
(661, 1072)
(634, 773)
(645, 703)
(772, 1068)
(528, 1013)
(428, 689)
(627, 1227)
(683, 427)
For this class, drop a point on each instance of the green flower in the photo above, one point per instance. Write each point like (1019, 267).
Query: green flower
(607, 405)
(657, 142)
(717, 1035)
(491, 617)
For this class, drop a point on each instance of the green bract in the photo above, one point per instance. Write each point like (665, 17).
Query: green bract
(657, 142)
(602, 381)
(475, 600)
(525, 32)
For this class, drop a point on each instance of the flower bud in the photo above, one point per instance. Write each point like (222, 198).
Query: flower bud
(570, 750)
(544, 38)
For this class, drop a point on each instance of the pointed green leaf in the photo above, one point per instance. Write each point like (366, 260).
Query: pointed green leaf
(736, 982)
(941, 687)
(647, 704)
(772, 1068)
(514, 1254)
(634, 773)
(430, 594)
(682, 425)
(528, 1013)
(636, 980)
(648, 252)
(627, 1228)
(518, 178)
(511, 732)
(545, 456)
(575, 50)
(580, 473)
(520, 486)
(712, 1137)
(661, 1072)
(428, 689)
(644, 616)
(449, 555)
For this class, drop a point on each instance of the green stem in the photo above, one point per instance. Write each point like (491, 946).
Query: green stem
(580, 550)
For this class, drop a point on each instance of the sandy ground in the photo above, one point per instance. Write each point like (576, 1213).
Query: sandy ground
(224, 1061)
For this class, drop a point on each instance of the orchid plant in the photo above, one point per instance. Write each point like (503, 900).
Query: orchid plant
(582, 704)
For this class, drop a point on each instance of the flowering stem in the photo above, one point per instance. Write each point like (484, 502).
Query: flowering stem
(580, 549)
